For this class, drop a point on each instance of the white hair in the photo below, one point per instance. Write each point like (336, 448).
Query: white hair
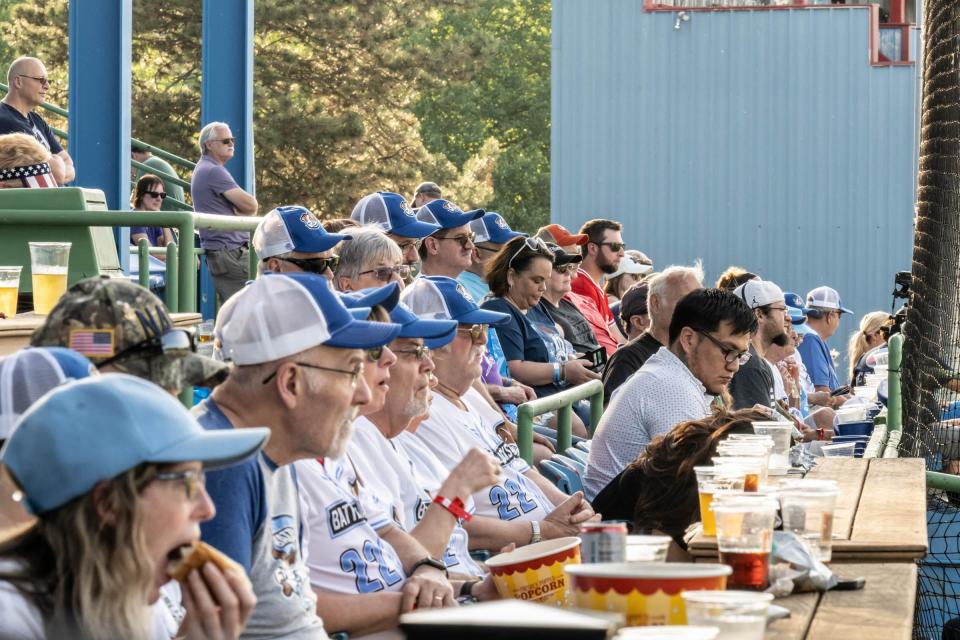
(660, 284)
(207, 133)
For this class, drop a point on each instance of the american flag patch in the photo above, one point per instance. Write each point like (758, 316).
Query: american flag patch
(92, 342)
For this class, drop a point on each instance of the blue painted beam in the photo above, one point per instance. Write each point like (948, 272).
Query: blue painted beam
(228, 79)
(99, 125)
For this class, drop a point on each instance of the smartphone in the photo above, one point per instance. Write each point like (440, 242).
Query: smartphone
(840, 391)
(597, 358)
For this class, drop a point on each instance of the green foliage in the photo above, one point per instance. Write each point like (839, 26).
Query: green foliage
(350, 96)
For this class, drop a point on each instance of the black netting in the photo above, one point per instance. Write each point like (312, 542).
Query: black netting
(932, 329)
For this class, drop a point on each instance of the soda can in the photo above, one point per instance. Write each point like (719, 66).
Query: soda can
(603, 541)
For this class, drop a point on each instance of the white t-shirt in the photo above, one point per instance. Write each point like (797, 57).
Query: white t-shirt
(388, 472)
(779, 391)
(450, 433)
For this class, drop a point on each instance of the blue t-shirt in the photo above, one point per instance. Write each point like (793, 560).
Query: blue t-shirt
(817, 360)
(520, 340)
(476, 286)
(154, 234)
(12, 121)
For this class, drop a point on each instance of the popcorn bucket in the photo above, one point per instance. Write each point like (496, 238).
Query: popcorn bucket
(535, 572)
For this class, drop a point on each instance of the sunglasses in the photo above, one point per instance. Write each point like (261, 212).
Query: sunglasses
(464, 240)
(227, 141)
(173, 343)
(383, 274)
(192, 481)
(565, 268)
(410, 243)
(314, 265)
(533, 244)
(354, 373)
(44, 82)
(614, 246)
(729, 355)
(418, 353)
(477, 332)
(373, 354)
(155, 194)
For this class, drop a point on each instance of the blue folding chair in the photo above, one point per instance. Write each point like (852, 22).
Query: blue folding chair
(575, 466)
(547, 433)
(563, 477)
(576, 454)
(584, 445)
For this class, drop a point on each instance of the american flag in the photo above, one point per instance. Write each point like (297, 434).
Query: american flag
(42, 180)
(95, 342)
(30, 175)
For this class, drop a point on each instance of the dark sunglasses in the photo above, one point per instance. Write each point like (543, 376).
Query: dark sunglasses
(464, 240)
(614, 246)
(227, 140)
(373, 354)
(315, 265)
(174, 343)
(155, 194)
(383, 274)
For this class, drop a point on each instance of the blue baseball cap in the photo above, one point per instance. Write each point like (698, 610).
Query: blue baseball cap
(443, 298)
(292, 228)
(281, 314)
(795, 308)
(491, 227)
(94, 429)
(436, 332)
(446, 214)
(392, 214)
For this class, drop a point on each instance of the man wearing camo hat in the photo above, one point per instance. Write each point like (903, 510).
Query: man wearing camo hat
(120, 326)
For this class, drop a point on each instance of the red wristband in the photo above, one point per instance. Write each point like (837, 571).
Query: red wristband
(455, 507)
(820, 434)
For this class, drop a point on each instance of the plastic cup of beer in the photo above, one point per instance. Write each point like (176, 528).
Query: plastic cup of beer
(739, 615)
(744, 537)
(807, 508)
(782, 435)
(48, 262)
(711, 481)
(9, 288)
(754, 466)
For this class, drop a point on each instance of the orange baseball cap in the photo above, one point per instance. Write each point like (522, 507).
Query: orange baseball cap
(561, 236)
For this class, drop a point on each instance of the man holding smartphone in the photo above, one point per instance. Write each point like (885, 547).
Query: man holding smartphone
(823, 316)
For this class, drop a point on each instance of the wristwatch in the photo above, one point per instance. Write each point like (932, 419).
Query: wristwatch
(535, 532)
(429, 561)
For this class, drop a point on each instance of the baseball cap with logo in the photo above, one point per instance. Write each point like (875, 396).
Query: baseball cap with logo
(281, 314)
(493, 228)
(759, 293)
(392, 214)
(292, 228)
(446, 214)
(443, 298)
(116, 322)
(825, 298)
(795, 307)
(436, 333)
(559, 235)
(91, 430)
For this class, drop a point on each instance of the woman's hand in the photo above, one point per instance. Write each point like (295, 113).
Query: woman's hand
(218, 603)
(578, 372)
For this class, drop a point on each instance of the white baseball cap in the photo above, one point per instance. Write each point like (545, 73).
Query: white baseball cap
(825, 298)
(759, 293)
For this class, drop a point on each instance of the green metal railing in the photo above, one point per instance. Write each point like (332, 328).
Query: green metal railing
(181, 273)
(562, 403)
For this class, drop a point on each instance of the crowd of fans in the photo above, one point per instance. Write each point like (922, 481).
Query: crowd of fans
(356, 455)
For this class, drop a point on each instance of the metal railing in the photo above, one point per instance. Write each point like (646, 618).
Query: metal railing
(182, 273)
(562, 403)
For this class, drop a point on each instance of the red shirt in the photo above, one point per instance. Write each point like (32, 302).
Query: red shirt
(599, 324)
(584, 285)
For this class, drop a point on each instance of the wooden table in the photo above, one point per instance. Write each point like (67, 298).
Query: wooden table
(15, 332)
(881, 513)
(882, 609)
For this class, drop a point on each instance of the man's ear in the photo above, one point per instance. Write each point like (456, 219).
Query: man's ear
(343, 284)
(688, 340)
(432, 245)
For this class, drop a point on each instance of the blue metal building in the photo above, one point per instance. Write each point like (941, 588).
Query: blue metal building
(771, 138)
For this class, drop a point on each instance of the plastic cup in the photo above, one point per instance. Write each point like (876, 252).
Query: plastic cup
(755, 468)
(844, 449)
(647, 548)
(807, 508)
(710, 482)
(668, 633)
(744, 538)
(9, 288)
(782, 435)
(205, 346)
(739, 615)
(48, 263)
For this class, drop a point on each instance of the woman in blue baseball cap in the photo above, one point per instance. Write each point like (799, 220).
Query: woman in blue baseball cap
(113, 469)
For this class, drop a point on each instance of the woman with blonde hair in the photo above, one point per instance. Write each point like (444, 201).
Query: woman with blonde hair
(24, 162)
(873, 332)
(113, 469)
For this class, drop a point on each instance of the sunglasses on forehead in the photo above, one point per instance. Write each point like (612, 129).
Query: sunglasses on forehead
(533, 244)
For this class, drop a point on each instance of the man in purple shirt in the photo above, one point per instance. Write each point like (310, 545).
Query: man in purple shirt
(215, 191)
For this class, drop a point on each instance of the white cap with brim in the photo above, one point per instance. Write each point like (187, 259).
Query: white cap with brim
(631, 266)
(94, 429)
(825, 298)
(759, 293)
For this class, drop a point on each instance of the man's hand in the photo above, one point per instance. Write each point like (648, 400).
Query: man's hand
(218, 603)
(566, 519)
(477, 470)
(427, 588)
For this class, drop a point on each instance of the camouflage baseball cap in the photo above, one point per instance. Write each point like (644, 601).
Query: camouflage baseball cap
(101, 317)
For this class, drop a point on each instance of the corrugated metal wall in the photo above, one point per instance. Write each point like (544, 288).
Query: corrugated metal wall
(760, 138)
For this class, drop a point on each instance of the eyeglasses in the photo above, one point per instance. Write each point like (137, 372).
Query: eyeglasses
(173, 343)
(44, 82)
(354, 373)
(614, 246)
(565, 268)
(155, 194)
(383, 274)
(192, 480)
(418, 353)
(729, 355)
(226, 141)
(410, 243)
(315, 265)
(464, 240)
(373, 354)
(534, 244)
(477, 332)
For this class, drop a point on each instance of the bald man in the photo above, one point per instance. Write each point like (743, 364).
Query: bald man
(28, 82)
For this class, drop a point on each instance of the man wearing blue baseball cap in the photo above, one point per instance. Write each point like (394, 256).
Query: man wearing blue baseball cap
(461, 420)
(824, 309)
(490, 233)
(299, 356)
(291, 239)
(391, 214)
(449, 251)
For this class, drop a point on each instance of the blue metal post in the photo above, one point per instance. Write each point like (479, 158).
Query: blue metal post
(99, 125)
(228, 78)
